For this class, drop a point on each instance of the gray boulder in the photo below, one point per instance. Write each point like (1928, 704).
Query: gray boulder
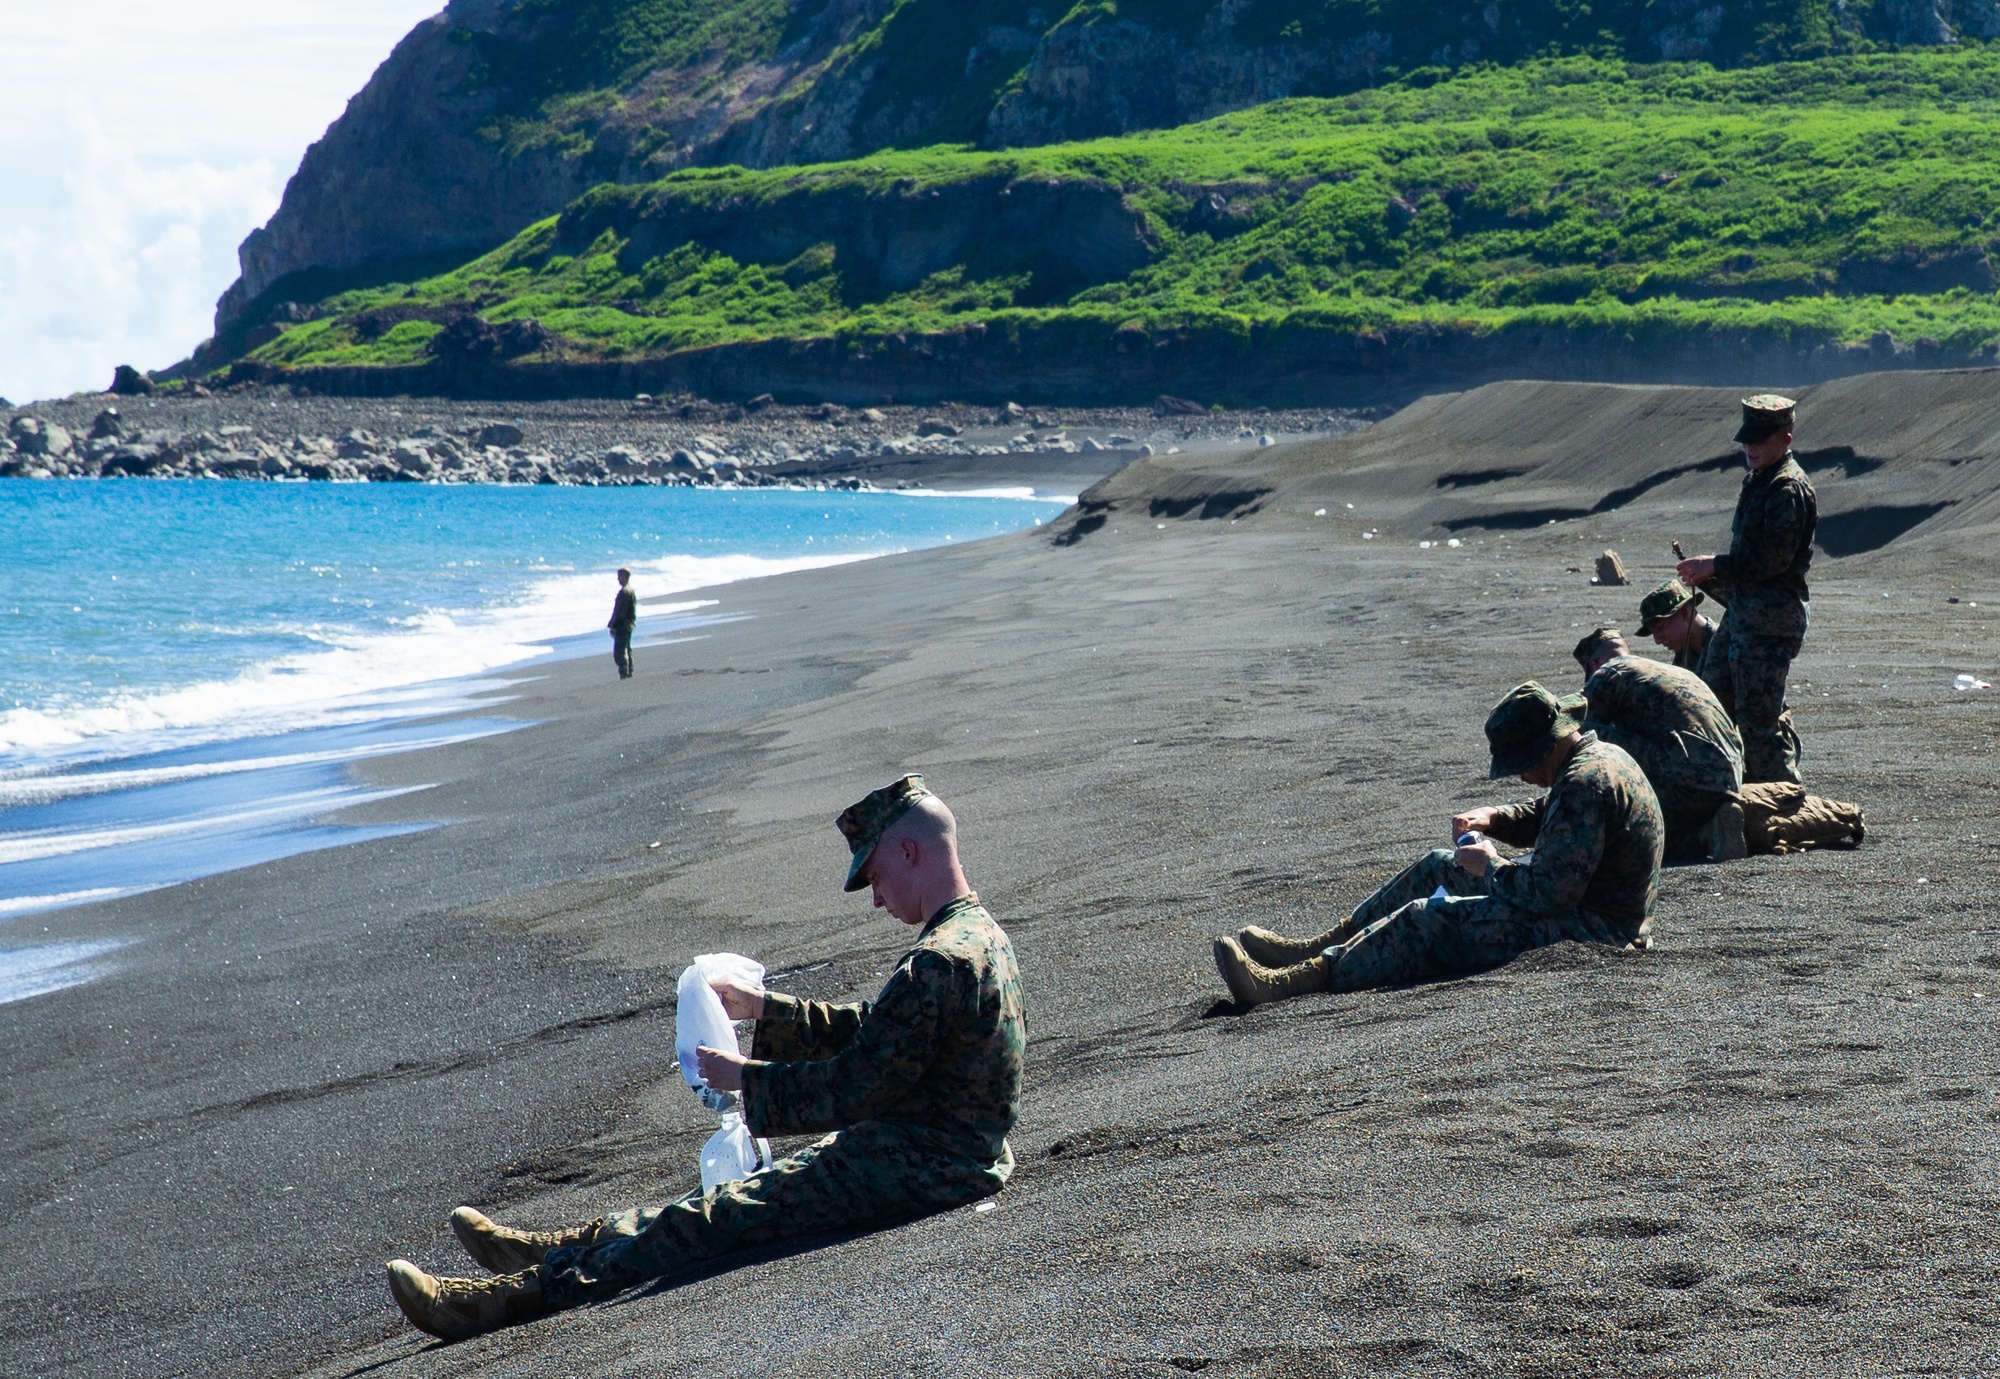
(500, 434)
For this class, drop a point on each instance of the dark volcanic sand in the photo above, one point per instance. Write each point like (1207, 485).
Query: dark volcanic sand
(1767, 1146)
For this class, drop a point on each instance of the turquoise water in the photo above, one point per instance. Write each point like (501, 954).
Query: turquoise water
(187, 668)
(201, 608)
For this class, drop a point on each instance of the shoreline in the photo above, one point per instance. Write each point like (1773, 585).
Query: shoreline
(1763, 1144)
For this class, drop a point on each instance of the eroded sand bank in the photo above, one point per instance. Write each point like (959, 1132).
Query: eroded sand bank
(1764, 1146)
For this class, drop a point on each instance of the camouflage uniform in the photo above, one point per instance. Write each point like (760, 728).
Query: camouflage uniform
(1673, 726)
(920, 1088)
(1763, 580)
(1597, 837)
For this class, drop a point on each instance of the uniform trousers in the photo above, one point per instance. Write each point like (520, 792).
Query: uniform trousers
(872, 1175)
(1400, 934)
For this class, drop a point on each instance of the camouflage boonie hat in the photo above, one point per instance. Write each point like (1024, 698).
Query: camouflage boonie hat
(1664, 602)
(1595, 641)
(1764, 415)
(864, 822)
(1524, 725)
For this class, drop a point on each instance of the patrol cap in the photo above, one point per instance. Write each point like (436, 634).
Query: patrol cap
(865, 821)
(1596, 642)
(1664, 602)
(1524, 725)
(1766, 414)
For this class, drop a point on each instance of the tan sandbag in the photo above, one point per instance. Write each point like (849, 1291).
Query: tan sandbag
(1780, 817)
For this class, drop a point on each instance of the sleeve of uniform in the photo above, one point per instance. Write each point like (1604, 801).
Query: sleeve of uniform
(886, 1055)
(790, 1029)
(1771, 538)
(1567, 851)
(1517, 825)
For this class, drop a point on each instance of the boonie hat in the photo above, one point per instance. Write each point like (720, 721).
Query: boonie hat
(1596, 640)
(1524, 725)
(1765, 414)
(1664, 602)
(865, 821)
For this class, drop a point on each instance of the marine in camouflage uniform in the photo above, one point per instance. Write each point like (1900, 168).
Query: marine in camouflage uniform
(914, 1094)
(1597, 838)
(1671, 723)
(1762, 579)
(1688, 640)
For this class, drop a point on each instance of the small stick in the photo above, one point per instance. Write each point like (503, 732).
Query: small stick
(1679, 554)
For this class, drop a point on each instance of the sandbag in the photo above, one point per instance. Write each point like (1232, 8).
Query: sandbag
(1780, 817)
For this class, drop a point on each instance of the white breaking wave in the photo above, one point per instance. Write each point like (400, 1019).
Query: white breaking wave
(28, 904)
(35, 844)
(49, 788)
(360, 675)
(47, 967)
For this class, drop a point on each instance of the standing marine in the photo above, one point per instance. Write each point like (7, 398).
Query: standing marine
(1597, 838)
(624, 617)
(1761, 580)
(914, 1093)
(1672, 724)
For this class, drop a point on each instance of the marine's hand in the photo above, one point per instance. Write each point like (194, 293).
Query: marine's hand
(739, 1002)
(721, 1071)
(1473, 821)
(1696, 569)
(1476, 859)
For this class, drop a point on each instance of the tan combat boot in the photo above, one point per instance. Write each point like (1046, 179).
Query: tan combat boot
(456, 1309)
(507, 1251)
(1251, 983)
(1275, 950)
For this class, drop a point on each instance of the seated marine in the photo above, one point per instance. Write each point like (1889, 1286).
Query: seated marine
(1668, 616)
(918, 1088)
(1677, 730)
(1597, 838)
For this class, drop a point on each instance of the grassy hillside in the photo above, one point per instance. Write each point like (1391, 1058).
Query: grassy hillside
(1816, 201)
(571, 72)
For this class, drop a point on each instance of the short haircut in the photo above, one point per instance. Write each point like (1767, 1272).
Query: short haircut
(929, 821)
(624, 573)
(1601, 641)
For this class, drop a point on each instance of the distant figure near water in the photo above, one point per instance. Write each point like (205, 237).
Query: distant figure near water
(624, 617)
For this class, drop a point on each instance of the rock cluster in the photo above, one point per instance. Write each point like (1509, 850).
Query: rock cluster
(268, 434)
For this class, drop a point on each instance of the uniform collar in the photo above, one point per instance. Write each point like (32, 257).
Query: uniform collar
(970, 900)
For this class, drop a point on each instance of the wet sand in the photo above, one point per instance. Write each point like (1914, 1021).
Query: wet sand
(1766, 1145)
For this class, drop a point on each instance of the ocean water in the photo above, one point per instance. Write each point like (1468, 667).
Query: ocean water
(187, 668)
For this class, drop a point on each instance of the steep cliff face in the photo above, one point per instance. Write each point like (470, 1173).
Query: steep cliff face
(496, 113)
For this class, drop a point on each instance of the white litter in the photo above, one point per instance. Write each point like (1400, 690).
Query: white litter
(1454, 543)
(1970, 682)
(1423, 545)
(985, 1206)
(1319, 512)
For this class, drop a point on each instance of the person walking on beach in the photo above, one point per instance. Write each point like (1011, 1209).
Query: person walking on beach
(1761, 580)
(624, 617)
(919, 1088)
(1597, 838)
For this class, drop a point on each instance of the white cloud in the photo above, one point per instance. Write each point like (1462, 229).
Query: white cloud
(142, 141)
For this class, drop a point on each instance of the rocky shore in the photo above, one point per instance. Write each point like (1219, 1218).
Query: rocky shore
(271, 434)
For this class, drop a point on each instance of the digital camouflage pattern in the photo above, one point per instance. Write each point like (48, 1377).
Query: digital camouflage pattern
(920, 1086)
(1749, 675)
(1665, 601)
(1692, 656)
(1763, 573)
(1592, 877)
(1671, 723)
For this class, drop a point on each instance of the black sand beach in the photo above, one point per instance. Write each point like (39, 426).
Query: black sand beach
(1765, 1146)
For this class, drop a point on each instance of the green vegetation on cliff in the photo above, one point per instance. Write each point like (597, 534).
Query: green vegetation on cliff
(1818, 201)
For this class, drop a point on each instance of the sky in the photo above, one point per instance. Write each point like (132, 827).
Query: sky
(140, 141)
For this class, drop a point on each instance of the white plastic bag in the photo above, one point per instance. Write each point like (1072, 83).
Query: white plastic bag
(701, 1022)
(732, 1153)
(699, 1019)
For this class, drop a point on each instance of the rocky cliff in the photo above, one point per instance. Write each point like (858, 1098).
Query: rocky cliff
(495, 113)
